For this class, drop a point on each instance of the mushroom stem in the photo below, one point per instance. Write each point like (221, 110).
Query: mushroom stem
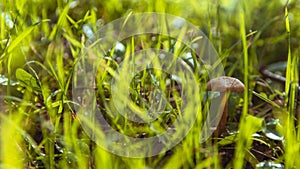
(223, 108)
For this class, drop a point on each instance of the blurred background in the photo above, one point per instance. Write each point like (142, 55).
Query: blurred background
(219, 19)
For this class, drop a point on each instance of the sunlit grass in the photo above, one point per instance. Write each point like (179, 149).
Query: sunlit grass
(41, 41)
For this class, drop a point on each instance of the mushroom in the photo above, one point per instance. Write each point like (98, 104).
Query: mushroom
(224, 84)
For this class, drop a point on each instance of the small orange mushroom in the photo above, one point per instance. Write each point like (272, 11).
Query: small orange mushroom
(224, 84)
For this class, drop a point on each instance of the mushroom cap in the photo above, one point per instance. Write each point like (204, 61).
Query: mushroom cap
(225, 83)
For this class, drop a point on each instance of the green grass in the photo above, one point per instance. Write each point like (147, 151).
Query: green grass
(42, 41)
